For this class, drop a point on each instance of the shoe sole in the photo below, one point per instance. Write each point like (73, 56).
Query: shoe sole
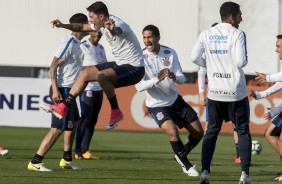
(109, 127)
(180, 163)
(49, 110)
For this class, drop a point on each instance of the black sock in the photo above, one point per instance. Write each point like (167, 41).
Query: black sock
(67, 156)
(190, 144)
(179, 150)
(237, 150)
(113, 102)
(68, 101)
(37, 159)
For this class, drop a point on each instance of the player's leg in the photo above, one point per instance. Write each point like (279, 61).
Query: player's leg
(96, 103)
(241, 119)
(235, 136)
(272, 139)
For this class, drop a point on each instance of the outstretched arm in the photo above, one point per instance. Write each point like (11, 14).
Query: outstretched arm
(76, 27)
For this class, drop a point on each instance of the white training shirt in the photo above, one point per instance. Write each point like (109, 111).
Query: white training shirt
(125, 47)
(226, 54)
(69, 52)
(160, 93)
(93, 55)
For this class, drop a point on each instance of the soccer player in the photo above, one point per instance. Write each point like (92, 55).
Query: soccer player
(167, 107)
(64, 70)
(226, 54)
(127, 70)
(273, 132)
(91, 98)
(203, 101)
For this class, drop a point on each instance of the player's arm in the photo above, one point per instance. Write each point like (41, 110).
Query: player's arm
(147, 83)
(271, 90)
(112, 27)
(241, 51)
(197, 52)
(176, 73)
(53, 75)
(273, 112)
(201, 84)
(76, 27)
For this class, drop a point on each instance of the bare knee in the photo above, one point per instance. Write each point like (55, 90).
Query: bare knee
(101, 78)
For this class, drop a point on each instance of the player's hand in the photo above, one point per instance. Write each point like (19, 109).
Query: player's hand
(253, 94)
(172, 76)
(57, 97)
(267, 116)
(261, 77)
(109, 24)
(163, 74)
(56, 23)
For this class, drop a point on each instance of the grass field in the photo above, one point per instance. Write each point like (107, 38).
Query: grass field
(126, 157)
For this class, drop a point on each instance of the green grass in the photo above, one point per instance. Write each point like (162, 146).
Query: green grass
(127, 157)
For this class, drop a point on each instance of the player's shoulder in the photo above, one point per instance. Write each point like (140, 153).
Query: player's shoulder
(165, 50)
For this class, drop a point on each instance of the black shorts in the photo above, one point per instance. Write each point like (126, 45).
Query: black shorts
(67, 122)
(181, 113)
(127, 75)
(278, 125)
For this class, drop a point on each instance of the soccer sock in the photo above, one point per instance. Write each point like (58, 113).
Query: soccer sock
(37, 159)
(67, 156)
(113, 102)
(237, 150)
(179, 150)
(68, 101)
(190, 144)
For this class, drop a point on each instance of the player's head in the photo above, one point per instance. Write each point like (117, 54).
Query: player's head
(230, 12)
(279, 46)
(151, 38)
(95, 37)
(98, 13)
(79, 18)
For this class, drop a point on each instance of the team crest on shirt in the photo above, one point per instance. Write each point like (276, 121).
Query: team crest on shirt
(70, 124)
(166, 51)
(145, 55)
(74, 41)
(166, 61)
(160, 116)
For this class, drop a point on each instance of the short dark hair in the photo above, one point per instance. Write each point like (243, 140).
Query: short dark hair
(79, 18)
(279, 36)
(98, 8)
(229, 8)
(152, 28)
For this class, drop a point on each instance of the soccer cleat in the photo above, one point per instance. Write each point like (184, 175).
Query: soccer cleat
(192, 171)
(205, 177)
(245, 179)
(181, 164)
(116, 116)
(59, 110)
(68, 165)
(37, 167)
(280, 178)
(89, 156)
(4, 152)
(78, 157)
(237, 160)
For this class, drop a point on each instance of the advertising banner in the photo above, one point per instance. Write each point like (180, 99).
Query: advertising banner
(20, 100)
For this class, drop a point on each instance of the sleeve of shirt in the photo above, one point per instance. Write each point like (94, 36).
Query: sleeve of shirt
(273, 89)
(202, 79)
(275, 77)
(146, 83)
(241, 50)
(197, 52)
(177, 70)
(64, 49)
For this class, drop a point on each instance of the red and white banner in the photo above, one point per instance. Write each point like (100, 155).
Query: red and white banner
(20, 100)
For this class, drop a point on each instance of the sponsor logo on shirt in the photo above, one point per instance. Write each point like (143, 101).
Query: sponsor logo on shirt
(222, 92)
(218, 51)
(222, 75)
(218, 38)
(166, 51)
